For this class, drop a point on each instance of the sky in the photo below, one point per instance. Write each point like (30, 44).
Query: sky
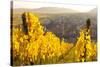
(78, 5)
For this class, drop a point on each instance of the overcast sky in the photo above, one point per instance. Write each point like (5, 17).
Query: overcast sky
(79, 6)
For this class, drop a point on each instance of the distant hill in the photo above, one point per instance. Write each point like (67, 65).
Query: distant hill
(54, 10)
(53, 20)
(93, 10)
(49, 10)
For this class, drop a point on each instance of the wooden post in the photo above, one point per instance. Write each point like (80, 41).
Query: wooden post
(88, 23)
(24, 19)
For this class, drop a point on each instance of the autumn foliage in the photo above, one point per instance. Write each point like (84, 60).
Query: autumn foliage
(35, 46)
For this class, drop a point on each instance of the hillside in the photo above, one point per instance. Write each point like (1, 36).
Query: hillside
(48, 10)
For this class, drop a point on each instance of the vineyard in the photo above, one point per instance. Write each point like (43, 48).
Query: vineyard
(32, 45)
